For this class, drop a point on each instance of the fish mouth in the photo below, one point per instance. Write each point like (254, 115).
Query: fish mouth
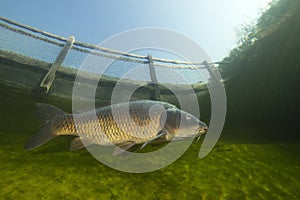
(202, 128)
(201, 131)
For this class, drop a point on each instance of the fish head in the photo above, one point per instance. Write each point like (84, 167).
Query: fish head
(180, 124)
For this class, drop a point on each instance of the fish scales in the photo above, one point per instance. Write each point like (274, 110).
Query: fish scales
(139, 127)
(134, 122)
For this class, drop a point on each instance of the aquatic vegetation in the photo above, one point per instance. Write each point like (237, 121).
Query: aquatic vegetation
(263, 89)
(233, 170)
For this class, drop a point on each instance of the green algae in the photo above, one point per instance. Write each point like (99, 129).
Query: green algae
(233, 170)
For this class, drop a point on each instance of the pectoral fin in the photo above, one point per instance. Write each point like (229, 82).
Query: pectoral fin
(123, 147)
(79, 143)
(76, 144)
(160, 135)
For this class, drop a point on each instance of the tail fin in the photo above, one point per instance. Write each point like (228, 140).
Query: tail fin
(43, 136)
(46, 113)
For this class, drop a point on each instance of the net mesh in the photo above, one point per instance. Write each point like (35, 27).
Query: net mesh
(45, 49)
(28, 46)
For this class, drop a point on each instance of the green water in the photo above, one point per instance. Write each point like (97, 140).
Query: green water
(233, 170)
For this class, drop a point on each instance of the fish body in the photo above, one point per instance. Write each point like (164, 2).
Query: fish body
(123, 124)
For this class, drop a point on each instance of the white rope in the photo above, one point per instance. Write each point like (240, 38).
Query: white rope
(93, 49)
